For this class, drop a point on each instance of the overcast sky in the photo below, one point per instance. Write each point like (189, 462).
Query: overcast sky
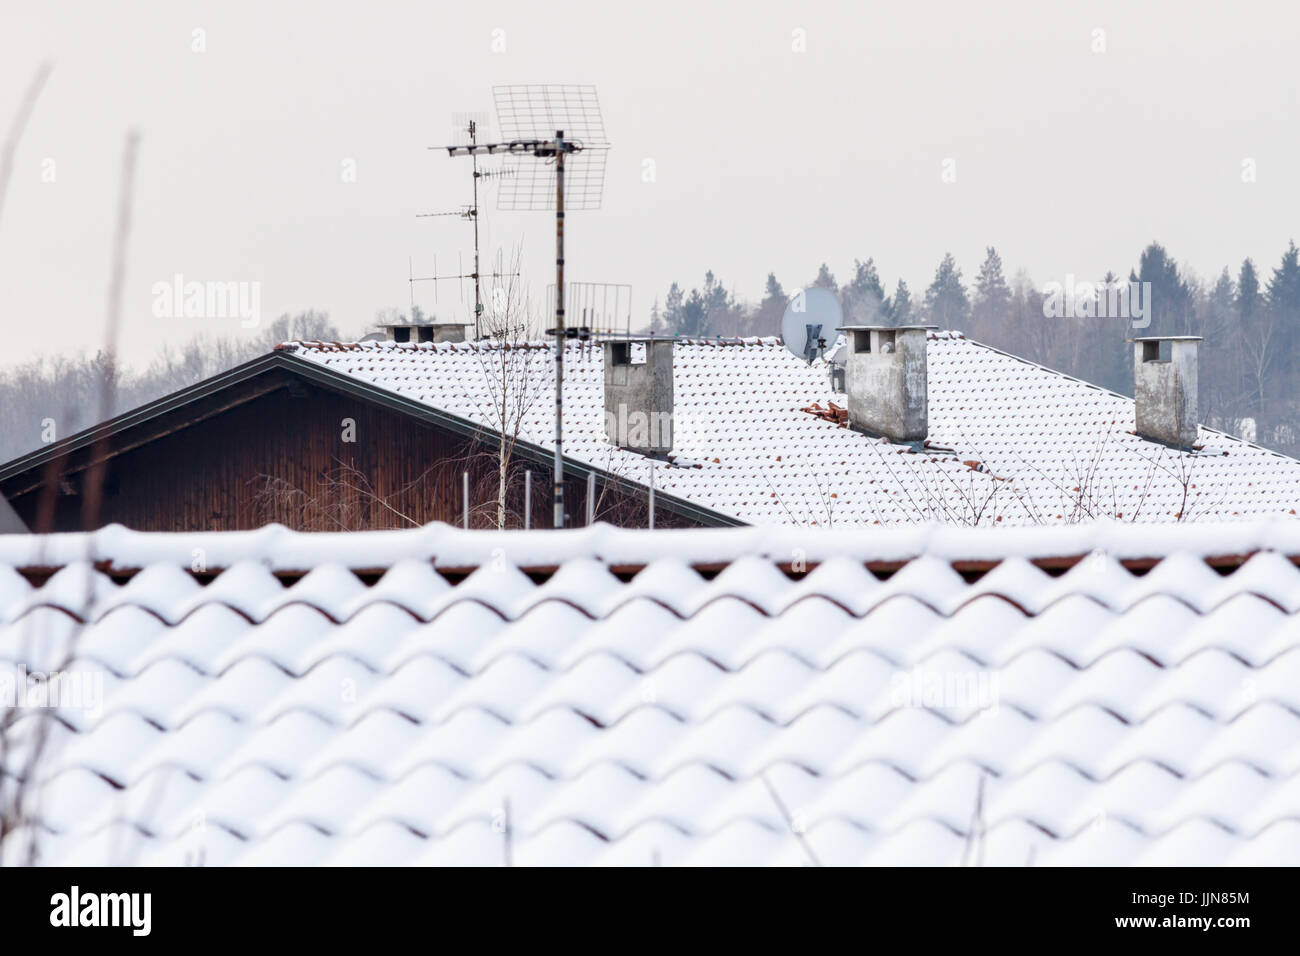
(765, 158)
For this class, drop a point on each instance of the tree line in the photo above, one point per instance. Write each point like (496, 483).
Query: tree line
(50, 397)
(1249, 317)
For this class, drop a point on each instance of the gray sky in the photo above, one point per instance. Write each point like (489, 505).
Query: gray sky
(1068, 160)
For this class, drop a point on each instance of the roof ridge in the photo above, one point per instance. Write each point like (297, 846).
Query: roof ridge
(384, 345)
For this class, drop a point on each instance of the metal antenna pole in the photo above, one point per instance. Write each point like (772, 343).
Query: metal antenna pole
(559, 329)
(533, 121)
(478, 292)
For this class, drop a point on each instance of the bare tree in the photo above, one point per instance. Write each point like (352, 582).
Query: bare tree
(512, 364)
(53, 396)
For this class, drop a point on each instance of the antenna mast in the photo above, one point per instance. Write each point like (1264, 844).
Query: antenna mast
(559, 329)
(465, 128)
(535, 119)
(472, 129)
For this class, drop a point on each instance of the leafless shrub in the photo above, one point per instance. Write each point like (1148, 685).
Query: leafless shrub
(929, 489)
(343, 499)
(977, 835)
(25, 107)
(19, 792)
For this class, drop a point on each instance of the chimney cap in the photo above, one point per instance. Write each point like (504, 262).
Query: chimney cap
(619, 337)
(882, 328)
(422, 325)
(1166, 338)
(424, 333)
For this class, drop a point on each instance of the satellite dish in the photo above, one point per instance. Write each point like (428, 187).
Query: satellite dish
(811, 316)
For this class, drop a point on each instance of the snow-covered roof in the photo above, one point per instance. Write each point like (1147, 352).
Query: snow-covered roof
(1010, 442)
(793, 702)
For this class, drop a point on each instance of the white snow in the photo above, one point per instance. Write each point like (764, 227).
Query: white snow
(327, 721)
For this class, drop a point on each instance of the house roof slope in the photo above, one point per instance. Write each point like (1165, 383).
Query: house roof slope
(1010, 442)
(789, 704)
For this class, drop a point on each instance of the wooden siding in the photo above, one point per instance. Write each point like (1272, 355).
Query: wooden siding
(281, 456)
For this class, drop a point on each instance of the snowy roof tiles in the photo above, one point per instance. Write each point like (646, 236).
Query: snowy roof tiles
(1010, 442)
(658, 713)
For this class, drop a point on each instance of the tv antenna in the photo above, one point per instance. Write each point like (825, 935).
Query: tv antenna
(603, 308)
(465, 131)
(560, 125)
(460, 275)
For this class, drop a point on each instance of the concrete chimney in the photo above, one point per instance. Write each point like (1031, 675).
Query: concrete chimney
(1164, 388)
(885, 379)
(414, 332)
(639, 394)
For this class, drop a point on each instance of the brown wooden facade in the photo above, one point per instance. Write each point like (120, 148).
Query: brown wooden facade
(302, 447)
